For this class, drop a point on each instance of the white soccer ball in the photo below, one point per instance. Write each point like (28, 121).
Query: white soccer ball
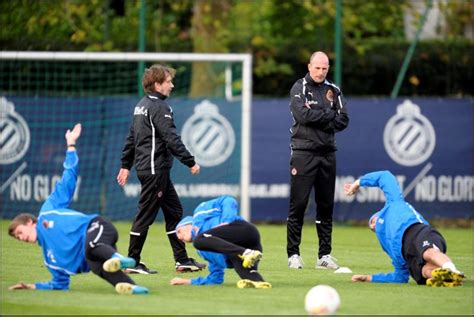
(322, 300)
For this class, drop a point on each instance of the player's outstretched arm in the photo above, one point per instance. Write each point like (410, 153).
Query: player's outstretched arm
(361, 278)
(180, 281)
(352, 188)
(22, 285)
(64, 189)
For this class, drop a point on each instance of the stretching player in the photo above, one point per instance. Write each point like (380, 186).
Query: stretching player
(225, 240)
(73, 242)
(415, 247)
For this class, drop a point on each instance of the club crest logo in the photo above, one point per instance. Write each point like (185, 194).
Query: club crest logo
(294, 171)
(330, 95)
(208, 135)
(409, 137)
(14, 133)
(50, 224)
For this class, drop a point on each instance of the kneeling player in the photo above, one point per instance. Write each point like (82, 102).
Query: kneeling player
(73, 242)
(225, 240)
(415, 247)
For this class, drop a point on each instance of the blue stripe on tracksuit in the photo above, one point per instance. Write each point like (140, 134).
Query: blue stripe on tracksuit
(394, 218)
(62, 231)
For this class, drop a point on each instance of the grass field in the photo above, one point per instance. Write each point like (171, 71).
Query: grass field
(355, 247)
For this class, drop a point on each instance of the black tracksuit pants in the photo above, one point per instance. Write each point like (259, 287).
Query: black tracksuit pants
(101, 239)
(307, 172)
(157, 191)
(232, 240)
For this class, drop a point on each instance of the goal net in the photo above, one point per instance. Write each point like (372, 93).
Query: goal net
(44, 93)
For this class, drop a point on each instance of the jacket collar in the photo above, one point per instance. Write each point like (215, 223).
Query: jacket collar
(156, 95)
(310, 80)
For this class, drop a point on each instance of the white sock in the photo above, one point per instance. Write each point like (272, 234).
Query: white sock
(450, 266)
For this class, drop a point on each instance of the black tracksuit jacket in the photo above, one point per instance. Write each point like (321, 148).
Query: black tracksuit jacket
(319, 111)
(153, 139)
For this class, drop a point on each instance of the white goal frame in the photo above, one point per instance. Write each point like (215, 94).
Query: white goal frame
(245, 59)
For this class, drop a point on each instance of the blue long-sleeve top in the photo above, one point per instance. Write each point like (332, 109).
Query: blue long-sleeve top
(62, 231)
(208, 215)
(393, 219)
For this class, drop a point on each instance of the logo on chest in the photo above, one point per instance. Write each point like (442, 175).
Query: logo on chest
(140, 111)
(48, 224)
(330, 95)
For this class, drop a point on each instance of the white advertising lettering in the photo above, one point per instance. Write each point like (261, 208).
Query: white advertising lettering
(38, 187)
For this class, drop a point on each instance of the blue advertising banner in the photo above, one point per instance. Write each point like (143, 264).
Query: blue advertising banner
(428, 143)
(33, 149)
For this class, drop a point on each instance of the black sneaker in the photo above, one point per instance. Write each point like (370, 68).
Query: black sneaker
(190, 265)
(140, 268)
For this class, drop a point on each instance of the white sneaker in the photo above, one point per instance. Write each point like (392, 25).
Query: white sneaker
(327, 262)
(295, 262)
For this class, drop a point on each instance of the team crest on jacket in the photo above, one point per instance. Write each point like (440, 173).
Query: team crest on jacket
(160, 193)
(48, 224)
(330, 95)
(294, 171)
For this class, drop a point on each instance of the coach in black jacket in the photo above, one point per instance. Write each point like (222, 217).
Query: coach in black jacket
(319, 111)
(151, 144)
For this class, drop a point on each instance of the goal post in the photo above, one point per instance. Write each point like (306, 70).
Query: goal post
(33, 84)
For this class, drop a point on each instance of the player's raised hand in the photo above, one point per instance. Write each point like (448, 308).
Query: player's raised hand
(72, 136)
(351, 188)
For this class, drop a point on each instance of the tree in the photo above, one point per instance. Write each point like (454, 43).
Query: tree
(209, 25)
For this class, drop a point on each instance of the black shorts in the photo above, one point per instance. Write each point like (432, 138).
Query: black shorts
(416, 240)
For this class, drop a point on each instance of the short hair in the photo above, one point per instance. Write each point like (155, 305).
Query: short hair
(155, 74)
(318, 53)
(21, 219)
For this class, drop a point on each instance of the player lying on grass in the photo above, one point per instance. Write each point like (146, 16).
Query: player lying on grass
(415, 247)
(73, 242)
(225, 240)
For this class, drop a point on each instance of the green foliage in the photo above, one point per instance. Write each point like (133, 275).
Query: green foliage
(437, 68)
(280, 34)
(354, 247)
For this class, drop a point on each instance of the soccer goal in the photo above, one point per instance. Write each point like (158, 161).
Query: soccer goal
(44, 93)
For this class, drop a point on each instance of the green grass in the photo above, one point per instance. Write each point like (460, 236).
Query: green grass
(354, 247)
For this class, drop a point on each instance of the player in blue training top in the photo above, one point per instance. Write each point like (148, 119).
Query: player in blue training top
(225, 240)
(73, 242)
(415, 247)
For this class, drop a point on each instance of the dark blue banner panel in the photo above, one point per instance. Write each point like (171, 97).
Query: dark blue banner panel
(428, 143)
(33, 148)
